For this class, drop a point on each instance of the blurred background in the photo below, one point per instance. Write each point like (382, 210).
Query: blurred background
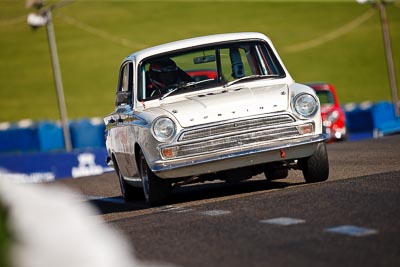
(339, 42)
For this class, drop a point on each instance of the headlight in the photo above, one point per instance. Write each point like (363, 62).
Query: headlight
(305, 105)
(163, 129)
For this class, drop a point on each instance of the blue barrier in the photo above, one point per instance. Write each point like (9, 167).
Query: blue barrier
(50, 136)
(369, 120)
(87, 133)
(385, 120)
(359, 119)
(27, 136)
(43, 167)
(19, 138)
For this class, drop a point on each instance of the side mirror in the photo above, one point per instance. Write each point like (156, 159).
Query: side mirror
(123, 98)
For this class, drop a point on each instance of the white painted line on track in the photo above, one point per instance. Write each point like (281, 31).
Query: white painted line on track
(168, 208)
(215, 212)
(175, 209)
(283, 221)
(351, 230)
(181, 210)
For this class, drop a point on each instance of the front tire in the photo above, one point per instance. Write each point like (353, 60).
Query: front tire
(129, 193)
(316, 167)
(155, 189)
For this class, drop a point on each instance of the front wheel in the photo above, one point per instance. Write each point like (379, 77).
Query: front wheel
(128, 192)
(316, 167)
(155, 189)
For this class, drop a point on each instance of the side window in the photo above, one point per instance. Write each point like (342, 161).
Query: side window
(269, 61)
(125, 78)
(125, 85)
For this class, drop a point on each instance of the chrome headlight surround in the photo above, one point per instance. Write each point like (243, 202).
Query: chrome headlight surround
(163, 129)
(305, 105)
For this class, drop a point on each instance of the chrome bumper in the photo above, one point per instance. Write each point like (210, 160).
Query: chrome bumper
(236, 158)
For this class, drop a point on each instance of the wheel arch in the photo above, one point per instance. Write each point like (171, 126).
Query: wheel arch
(137, 151)
(115, 162)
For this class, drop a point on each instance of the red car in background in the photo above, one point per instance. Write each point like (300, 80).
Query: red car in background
(198, 75)
(333, 116)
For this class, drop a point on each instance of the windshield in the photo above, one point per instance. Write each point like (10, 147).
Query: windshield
(325, 97)
(209, 66)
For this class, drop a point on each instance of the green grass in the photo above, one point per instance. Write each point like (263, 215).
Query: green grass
(94, 36)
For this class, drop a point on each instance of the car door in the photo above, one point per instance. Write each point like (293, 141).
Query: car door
(121, 134)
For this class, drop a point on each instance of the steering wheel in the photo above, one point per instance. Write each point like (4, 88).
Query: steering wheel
(155, 92)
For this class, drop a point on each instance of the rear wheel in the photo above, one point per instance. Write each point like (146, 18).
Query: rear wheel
(155, 189)
(316, 167)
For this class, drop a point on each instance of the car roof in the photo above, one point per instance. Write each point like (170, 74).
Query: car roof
(196, 41)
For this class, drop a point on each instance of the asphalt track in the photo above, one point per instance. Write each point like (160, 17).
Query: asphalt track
(353, 219)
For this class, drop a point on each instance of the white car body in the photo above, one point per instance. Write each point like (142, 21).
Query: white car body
(231, 128)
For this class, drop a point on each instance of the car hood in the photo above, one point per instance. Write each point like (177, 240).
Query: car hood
(226, 104)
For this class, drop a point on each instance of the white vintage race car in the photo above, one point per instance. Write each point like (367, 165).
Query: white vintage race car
(214, 107)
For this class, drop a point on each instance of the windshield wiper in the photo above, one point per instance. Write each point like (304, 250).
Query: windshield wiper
(182, 86)
(251, 77)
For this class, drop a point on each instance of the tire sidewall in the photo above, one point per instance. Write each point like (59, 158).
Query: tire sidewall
(316, 167)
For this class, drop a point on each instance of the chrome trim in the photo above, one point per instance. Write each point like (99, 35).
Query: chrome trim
(153, 132)
(171, 168)
(134, 181)
(293, 103)
(240, 125)
(236, 141)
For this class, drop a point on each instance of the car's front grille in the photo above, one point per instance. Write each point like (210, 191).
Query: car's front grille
(235, 141)
(238, 126)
